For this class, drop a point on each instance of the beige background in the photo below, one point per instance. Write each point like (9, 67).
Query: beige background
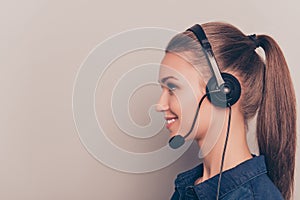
(42, 46)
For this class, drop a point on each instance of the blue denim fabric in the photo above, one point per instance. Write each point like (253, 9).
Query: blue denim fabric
(248, 180)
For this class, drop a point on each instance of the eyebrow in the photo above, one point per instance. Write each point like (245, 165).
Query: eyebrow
(163, 80)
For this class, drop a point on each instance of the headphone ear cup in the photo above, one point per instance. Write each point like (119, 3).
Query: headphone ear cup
(226, 96)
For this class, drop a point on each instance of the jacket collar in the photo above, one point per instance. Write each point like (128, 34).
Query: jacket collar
(231, 179)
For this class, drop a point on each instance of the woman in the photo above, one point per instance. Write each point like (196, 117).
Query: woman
(266, 93)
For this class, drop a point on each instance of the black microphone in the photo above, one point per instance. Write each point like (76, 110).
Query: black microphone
(177, 141)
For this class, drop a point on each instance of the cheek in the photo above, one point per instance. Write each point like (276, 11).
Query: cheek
(204, 120)
(204, 117)
(211, 121)
(188, 105)
(175, 105)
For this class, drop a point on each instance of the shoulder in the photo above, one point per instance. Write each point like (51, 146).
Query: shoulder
(262, 186)
(258, 188)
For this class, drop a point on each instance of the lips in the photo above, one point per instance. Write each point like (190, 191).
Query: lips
(170, 121)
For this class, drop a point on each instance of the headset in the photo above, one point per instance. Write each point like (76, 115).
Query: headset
(222, 90)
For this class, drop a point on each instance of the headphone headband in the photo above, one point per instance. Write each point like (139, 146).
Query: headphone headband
(201, 36)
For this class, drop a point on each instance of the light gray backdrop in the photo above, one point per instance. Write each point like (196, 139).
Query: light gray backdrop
(44, 43)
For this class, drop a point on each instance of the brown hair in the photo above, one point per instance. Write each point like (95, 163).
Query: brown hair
(267, 91)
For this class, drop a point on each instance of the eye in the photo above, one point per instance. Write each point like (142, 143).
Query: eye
(171, 87)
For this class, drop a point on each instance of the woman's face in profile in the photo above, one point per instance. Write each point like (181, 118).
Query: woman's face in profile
(182, 88)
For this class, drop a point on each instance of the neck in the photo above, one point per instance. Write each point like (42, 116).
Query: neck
(237, 150)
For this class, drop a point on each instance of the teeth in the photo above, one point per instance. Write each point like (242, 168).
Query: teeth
(170, 121)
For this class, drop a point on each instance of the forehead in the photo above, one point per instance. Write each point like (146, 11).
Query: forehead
(177, 66)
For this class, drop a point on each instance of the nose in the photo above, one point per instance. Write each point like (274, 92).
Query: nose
(163, 102)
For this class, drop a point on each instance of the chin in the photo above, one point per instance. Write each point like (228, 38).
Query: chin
(173, 133)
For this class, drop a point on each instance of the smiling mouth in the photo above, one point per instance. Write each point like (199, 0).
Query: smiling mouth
(170, 122)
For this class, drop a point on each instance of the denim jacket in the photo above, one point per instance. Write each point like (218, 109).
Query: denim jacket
(248, 180)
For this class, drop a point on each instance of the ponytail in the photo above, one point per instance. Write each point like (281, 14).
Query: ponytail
(276, 119)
